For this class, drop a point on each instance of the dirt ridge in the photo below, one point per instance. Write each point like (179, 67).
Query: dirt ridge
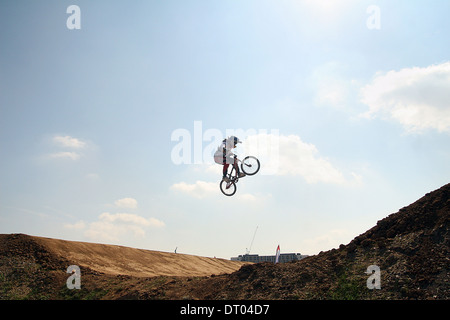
(115, 259)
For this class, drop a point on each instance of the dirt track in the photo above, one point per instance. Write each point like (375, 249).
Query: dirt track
(112, 259)
(35, 268)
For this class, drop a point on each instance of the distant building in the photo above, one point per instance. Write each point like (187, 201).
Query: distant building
(284, 257)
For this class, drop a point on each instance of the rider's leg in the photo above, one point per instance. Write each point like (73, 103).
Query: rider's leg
(225, 171)
(239, 174)
(227, 160)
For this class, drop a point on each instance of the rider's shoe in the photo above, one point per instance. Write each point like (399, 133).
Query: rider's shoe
(226, 179)
(241, 174)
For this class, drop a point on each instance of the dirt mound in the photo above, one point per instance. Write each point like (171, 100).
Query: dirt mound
(112, 259)
(35, 267)
(410, 248)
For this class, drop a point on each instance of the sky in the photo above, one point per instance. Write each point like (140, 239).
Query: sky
(110, 112)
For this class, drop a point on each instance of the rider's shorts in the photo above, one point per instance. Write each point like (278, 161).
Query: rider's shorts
(220, 158)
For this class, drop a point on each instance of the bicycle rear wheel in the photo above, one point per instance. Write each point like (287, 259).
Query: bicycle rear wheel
(228, 188)
(250, 165)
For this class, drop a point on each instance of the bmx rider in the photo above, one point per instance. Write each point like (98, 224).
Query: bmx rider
(225, 156)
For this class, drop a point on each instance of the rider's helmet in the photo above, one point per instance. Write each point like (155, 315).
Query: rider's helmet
(233, 141)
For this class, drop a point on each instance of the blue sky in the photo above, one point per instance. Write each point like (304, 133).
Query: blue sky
(345, 102)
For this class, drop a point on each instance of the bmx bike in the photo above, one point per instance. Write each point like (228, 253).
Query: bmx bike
(250, 166)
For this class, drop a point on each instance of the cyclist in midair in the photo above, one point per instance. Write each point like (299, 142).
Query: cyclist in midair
(225, 156)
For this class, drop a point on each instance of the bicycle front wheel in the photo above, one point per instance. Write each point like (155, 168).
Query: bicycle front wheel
(250, 165)
(228, 188)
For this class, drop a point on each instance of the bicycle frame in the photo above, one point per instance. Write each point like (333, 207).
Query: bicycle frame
(229, 188)
(234, 178)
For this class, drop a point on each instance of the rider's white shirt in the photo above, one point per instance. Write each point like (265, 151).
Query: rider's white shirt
(229, 155)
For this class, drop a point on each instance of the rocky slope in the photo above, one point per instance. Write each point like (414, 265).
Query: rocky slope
(411, 248)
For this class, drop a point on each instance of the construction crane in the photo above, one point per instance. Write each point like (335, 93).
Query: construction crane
(247, 251)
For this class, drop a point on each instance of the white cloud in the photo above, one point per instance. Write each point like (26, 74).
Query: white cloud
(126, 203)
(289, 155)
(300, 158)
(418, 98)
(153, 222)
(124, 217)
(199, 189)
(105, 231)
(66, 147)
(247, 197)
(203, 189)
(76, 226)
(279, 155)
(65, 155)
(68, 142)
(112, 227)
